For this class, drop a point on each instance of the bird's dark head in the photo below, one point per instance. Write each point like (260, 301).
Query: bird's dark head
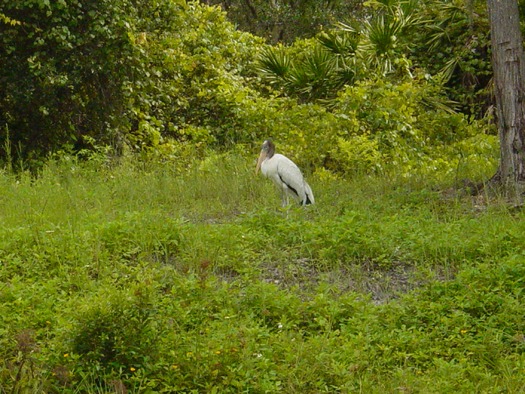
(267, 151)
(268, 147)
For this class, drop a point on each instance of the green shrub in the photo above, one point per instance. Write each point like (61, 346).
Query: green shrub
(406, 129)
(115, 331)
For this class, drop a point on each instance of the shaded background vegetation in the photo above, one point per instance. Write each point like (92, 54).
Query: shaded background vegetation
(364, 83)
(286, 21)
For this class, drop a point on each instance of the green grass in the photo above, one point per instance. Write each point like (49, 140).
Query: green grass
(142, 278)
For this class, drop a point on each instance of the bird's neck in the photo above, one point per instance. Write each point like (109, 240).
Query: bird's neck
(271, 152)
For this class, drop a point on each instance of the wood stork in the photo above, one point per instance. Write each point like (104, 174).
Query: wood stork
(285, 175)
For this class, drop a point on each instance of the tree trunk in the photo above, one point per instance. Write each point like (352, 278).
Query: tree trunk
(508, 63)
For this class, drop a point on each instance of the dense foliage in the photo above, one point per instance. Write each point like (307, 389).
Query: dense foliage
(116, 73)
(176, 79)
(395, 40)
(286, 20)
(64, 68)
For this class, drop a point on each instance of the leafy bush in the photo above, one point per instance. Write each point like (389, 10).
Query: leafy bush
(112, 73)
(358, 154)
(64, 68)
(115, 331)
(199, 70)
(409, 126)
(189, 85)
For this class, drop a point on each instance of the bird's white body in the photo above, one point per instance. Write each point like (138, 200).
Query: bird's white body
(285, 175)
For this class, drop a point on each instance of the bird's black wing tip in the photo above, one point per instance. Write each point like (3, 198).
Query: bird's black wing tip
(307, 202)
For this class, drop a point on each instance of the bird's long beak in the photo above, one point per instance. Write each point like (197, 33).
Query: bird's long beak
(262, 156)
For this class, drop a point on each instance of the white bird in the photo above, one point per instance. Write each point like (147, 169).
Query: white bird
(285, 175)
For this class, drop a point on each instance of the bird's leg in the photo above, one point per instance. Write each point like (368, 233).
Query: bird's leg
(285, 206)
(284, 196)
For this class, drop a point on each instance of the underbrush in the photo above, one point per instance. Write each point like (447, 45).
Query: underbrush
(142, 278)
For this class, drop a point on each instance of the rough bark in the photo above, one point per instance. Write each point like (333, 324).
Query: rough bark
(508, 63)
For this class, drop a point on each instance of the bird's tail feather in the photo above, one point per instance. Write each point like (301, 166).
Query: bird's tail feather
(309, 195)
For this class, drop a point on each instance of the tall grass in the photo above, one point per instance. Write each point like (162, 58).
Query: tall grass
(137, 277)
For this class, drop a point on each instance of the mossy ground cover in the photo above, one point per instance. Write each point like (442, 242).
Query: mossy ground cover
(139, 278)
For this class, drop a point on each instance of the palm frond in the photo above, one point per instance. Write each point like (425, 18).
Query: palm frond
(352, 27)
(382, 34)
(449, 14)
(440, 103)
(274, 64)
(448, 70)
(320, 64)
(314, 78)
(340, 43)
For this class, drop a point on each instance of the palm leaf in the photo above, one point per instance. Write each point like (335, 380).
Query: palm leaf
(341, 43)
(274, 64)
(314, 78)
